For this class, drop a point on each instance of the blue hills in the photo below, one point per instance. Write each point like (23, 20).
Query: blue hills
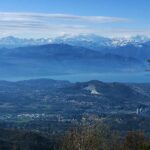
(43, 60)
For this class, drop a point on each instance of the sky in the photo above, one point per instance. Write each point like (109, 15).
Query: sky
(51, 18)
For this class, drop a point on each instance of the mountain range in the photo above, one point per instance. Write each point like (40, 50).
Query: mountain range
(89, 41)
(51, 59)
(72, 55)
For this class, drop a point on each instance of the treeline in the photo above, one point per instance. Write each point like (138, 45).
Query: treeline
(100, 137)
(85, 137)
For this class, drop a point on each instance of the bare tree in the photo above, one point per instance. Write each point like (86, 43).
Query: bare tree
(96, 137)
(134, 141)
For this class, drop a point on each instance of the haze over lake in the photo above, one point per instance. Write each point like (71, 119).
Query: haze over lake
(141, 77)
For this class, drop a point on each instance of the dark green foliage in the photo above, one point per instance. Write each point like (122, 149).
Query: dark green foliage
(23, 140)
(145, 146)
(85, 137)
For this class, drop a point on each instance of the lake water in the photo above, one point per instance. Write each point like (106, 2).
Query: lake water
(107, 77)
(142, 77)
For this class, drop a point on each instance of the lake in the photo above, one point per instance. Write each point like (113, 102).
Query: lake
(140, 77)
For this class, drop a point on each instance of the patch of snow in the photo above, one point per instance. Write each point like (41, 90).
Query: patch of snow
(92, 89)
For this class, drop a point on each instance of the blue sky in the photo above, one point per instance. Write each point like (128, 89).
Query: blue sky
(45, 18)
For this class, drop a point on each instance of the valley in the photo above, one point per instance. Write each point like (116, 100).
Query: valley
(25, 104)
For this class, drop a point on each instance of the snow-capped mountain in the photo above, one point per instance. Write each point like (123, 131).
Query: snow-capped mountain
(78, 39)
(72, 54)
(135, 41)
(89, 41)
(85, 40)
(97, 41)
(137, 47)
(13, 42)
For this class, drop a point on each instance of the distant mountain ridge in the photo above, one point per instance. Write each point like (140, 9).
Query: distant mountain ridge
(82, 40)
(100, 41)
(137, 47)
(61, 59)
(72, 55)
(13, 42)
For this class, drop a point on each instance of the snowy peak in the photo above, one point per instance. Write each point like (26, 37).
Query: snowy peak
(13, 42)
(95, 41)
(84, 40)
(136, 41)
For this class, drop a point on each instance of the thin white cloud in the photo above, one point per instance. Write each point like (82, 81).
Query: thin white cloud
(45, 25)
(47, 17)
(124, 32)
